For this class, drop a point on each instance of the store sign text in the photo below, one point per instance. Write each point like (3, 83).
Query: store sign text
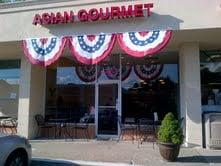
(93, 14)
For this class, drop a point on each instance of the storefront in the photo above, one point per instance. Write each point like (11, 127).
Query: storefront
(114, 88)
(95, 62)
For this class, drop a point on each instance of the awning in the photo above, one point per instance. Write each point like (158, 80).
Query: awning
(91, 49)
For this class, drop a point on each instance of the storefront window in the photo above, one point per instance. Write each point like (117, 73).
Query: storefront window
(71, 93)
(152, 86)
(210, 66)
(9, 87)
(147, 85)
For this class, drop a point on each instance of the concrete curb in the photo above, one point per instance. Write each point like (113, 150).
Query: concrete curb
(79, 162)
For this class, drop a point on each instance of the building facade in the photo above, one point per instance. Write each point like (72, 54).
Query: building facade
(182, 78)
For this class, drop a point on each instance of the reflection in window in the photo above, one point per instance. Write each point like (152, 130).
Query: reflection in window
(210, 80)
(150, 88)
(71, 93)
(9, 87)
(109, 68)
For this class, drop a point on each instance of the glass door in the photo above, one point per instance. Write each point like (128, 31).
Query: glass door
(108, 109)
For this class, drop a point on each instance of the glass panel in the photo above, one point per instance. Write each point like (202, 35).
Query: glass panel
(108, 94)
(71, 92)
(9, 87)
(151, 86)
(110, 68)
(210, 65)
(107, 112)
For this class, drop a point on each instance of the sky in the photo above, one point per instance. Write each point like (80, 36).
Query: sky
(10, 75)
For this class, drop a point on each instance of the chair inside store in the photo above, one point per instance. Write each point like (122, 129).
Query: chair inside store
(42, 125)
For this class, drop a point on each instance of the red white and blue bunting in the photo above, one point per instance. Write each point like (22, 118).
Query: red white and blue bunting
(112, 72)
(43, 51)
(148, 72)
(126, 70)
(91, 49)
(87, 73)
(140, 44)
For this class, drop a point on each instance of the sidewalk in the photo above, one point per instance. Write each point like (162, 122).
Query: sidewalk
(123, 152)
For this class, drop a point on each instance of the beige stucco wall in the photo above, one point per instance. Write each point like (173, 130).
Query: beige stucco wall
(16, 22)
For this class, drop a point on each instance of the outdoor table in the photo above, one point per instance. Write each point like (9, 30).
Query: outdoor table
(61, 123)
(1, 123)
(76, 124)
(8, 122)
(146, 130)
(134, 128)
(3, 118)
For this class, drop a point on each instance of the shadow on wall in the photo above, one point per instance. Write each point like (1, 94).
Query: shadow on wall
(154, 22)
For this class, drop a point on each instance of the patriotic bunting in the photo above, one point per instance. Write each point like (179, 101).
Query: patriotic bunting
(91, 49)
(43, 51)
(140, 44)
(126, 70)
(112, 72)
(149, 71)
(87, 73)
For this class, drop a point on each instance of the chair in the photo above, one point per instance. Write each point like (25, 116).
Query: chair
(2, 129)
(82, 126)
(129, 125)
(146, 127)
(9, 123)
(41, 124)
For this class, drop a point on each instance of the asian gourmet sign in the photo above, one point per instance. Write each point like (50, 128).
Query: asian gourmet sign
(94, 14)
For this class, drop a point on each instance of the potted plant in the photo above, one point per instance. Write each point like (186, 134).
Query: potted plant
(170, 137)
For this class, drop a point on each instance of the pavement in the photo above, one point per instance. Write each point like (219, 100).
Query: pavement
(112, 153)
